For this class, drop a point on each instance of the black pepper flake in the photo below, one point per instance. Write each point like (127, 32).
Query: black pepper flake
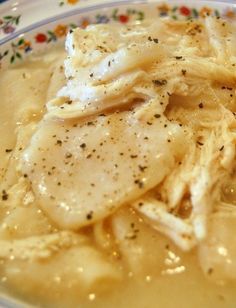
(178, 57)
(183, 72)
(140, 204)
(59, 183)
(8, 150)
(157, 116)
(4, 195)
(133, 156)
(109, 63)
(149, 123)
(142, 168)
(89, 156)
(155, 40)
(161, 82)
(68, 155)
(90, 123)
(83, 145)
(89, 216)
(131, 237)
(201, 105)
(222, 148)
(139, 183)
(59, 142)
(25, 175)
(200, 143)
(91, 75)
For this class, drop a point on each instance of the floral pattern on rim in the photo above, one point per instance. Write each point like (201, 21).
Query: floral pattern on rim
(230, 13)
(3, 55)
(53, 35)
(185, 12)
(71, 2)
(8, 23)
(21, 47)
(131, 14)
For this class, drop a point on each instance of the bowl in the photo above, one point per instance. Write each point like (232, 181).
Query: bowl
(28, 27)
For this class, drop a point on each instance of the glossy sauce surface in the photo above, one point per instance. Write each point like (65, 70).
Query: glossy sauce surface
(162, 275)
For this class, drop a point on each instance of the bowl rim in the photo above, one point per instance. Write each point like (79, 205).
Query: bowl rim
(106, 5)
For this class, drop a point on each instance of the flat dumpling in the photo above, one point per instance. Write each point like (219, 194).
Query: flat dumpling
(81, 171)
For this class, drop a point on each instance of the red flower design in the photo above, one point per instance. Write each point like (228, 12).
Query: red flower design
(184, 10)
(40, 38)
(123, 18)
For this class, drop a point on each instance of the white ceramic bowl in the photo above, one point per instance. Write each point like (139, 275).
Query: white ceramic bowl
(33, 26)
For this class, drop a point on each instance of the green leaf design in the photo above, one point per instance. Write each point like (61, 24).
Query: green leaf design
(195, 13)
(5, 53)
(18, 19)
(140, 16)
(18, 55)
(114, 14)
(50, 33)
(20, 42)
(72, 26)
(7, 17)
(12, 59)
(217, 14)
(175, 8)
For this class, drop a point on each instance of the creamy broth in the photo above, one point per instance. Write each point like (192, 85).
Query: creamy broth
(121, 260)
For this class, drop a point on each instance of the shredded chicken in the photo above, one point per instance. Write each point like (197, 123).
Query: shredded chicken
(133, 124)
